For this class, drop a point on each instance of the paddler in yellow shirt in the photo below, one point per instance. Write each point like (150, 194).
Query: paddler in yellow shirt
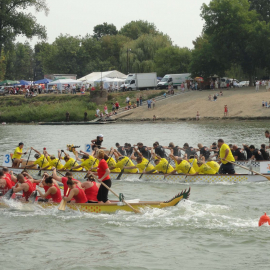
(225, 153)
(194, 163)
(203, 169)
(89, 162)
(41, 160)
(17, 155)
(213, 164)
(161, 165)
(122, 162)
(143, 164)
(70, 163)
(182, 166)
(53, 161)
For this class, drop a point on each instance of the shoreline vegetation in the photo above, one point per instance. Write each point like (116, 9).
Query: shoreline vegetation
(53, 108)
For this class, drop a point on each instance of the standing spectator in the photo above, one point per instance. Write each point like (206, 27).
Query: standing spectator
(154, 103)
(225, 110)
(127, 100)
(39, 89)
(257, 86)
(138, 101)
(85, 116)
(182, 87)
(197, 116)
(98, 112)
(74, 89)
(106, 109)
(67, 116)
(263, 103)
(149, 101)
(196, 86)
(117, 105)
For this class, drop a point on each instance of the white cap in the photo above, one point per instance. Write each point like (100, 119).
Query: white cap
(100, 135)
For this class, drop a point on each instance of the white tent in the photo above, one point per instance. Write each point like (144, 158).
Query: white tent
(62, 82)
(97, 76)
(107, 82)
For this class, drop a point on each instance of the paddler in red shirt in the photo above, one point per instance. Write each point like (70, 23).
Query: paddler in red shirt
(10, 176)
(54, 192)
(91, 189)
(26, 185)
(75, 193)
(103, 173)
(5, 184)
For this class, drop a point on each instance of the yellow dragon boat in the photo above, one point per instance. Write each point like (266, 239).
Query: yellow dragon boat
(109, 207)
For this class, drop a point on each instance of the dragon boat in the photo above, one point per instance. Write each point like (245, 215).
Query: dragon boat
(177, 178)
(109, 207)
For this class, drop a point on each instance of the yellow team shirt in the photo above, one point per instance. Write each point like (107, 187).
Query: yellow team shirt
(127, 163)
(39, 162)
(222, 153)
(195, 165)
(214, 165)
(184, 167)
(205, 169)
(111, 163)
(53, 163)
(162, 166)
(89, 163)
(141, 166)
(70, 164)
(15, 154)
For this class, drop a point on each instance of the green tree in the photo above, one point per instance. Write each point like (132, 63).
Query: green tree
(14, 20)
(135, 29)
(172, 60)
(104, 29)
(262, 7)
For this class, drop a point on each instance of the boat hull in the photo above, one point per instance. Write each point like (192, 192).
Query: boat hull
(108, 208)
(236, 178)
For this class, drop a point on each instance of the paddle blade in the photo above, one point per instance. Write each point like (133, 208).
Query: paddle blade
(120, 175)
(8, 195)
(33, 197)
(62, 206)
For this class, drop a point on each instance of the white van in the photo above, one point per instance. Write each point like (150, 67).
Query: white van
(173, 79)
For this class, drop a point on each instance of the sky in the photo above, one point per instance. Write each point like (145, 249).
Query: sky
(180, 19)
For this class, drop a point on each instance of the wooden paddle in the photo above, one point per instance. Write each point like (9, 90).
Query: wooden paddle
(8, 195)
(135, 210)
(63, 203)
(267, 177)
(145, 168)
(167, 168)
(190, 167)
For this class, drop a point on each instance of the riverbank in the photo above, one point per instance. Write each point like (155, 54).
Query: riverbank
(243, 104)
(53, 108)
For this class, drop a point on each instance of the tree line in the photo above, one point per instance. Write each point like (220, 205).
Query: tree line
(234, 42)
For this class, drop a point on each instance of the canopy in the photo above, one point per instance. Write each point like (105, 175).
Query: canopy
(23, 82)
(62, 82)
(8, 82)
(107, 82)
(43, 81)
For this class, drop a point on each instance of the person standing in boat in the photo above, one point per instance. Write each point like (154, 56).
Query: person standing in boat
(96, 143)
(103, 173)
(17, 156)
(225, 154)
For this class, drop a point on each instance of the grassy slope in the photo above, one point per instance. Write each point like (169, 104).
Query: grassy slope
(52, 108)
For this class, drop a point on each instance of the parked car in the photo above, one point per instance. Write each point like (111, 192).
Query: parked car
(244, 83)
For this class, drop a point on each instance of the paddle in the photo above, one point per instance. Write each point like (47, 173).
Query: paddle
(145, 168)
(39, 173)
(122, 171)
(167, 168)
(267, 177)
(190, 167)
(27, 159)
(63, 203)
(59, 159)
(135, 210)
(8, 195)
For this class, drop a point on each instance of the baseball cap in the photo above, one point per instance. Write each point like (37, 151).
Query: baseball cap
(100, 135)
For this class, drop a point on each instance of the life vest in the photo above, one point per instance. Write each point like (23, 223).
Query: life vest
(81, 197)
(91, 193)
(28, 193)
(57, 197)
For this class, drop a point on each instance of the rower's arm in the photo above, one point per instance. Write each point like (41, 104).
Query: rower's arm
(173, 172)
(76, 167)
(130, 168)
(226, 154)
(29, 166)
(70, 196)
(44, 168)
(57, 178)
(18, 189)
(49, 191)
(119, 155)
(139, 153)
(149, 172)
(36, 151)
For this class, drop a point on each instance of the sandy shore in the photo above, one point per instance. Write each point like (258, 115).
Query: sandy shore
(243, 104)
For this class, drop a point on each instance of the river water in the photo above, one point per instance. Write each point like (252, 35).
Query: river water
(217, 228)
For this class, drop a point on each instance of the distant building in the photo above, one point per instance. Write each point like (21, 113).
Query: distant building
(60, 76)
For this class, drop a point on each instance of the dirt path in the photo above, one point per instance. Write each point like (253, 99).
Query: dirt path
(244, 102)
